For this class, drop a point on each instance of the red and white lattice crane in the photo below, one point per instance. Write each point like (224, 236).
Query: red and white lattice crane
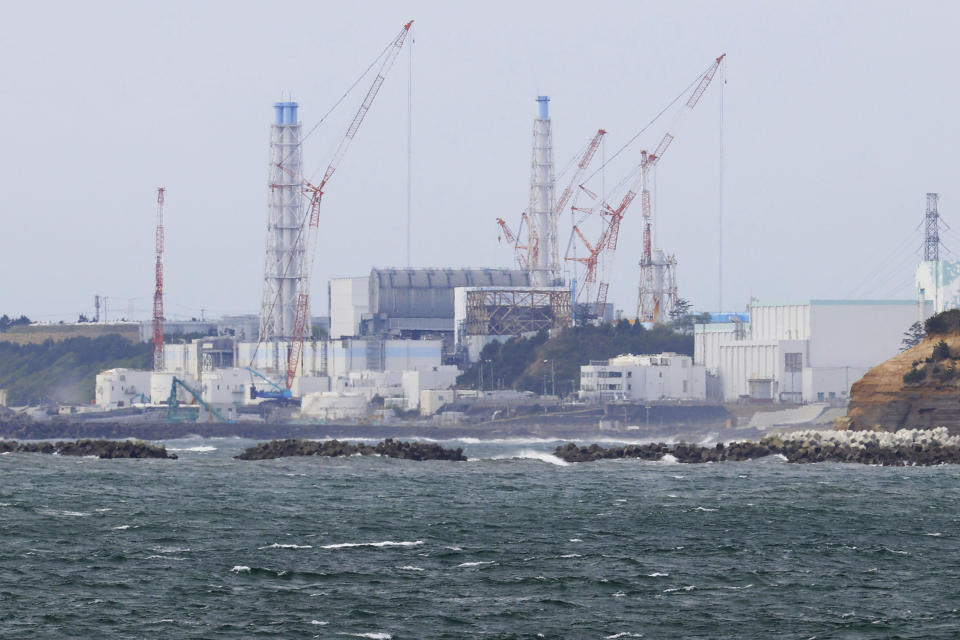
(654, 287)
(312, 218)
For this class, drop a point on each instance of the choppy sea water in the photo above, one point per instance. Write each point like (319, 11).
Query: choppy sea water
(512, 544)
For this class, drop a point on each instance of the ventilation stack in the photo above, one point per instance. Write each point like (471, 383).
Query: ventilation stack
(543, 262)
(283, 266)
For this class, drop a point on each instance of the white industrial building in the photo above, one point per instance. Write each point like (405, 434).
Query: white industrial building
(801, 352)
(643, 378)
(349, 302)
(122, 387)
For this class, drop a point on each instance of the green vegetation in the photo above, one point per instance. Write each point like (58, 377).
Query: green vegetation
(913, 336)
(533, 364)
(941, 351)
(943, 322)
(6, 322)
(65, 371)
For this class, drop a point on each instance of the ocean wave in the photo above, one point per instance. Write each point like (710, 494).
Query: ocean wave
(658, 574)
(321, 623)
(277, 545)
(120, 527)
(532, 454)
(668, 458)
(240, 568)
(410, 567)
(474, 564)
(703, 509)
(624, 634)
(674, 589)
(200, 449)
(385, 543)
(372, 636)
(571, 555)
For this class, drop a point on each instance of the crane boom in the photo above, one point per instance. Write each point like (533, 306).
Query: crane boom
(313, 212)
(609, 237)
(581, 168)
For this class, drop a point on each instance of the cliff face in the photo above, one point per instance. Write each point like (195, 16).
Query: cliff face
(882, 401)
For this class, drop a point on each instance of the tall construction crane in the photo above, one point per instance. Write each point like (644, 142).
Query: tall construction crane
(520, 250)
(315, 193)
(653, 283)
(657, 292)
(158, 287)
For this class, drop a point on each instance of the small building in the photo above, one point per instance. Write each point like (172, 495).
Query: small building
(121, 388)
(643, 378)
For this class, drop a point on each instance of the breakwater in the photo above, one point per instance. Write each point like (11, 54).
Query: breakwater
(98, 448)
(921, 447)
(336, 448)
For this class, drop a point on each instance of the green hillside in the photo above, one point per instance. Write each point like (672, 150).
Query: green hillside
(533, 364)
(64, 371)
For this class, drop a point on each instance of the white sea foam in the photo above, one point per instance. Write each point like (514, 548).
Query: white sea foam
(454, 548)
(668, 457)
(532, 454)
(240, 569)
(385, 543)
(658, 574)
(103, 510)
(4, 504)
(277, 545)
(936, 534)
(624, 634)
(571, 555)
(687, 588)
(703, 509)
(372, 636)
(575, 540)
(410, 567)
(200, 449)
(619, 594)
(121, 527)
(321, 623)
(474, 564)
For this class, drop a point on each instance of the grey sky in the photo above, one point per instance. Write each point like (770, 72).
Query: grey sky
(839, 117)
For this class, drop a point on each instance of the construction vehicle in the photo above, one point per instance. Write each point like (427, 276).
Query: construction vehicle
(278, 393)
(176, 413)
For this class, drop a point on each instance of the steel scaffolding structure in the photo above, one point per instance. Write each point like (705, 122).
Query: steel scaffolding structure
(511, 312)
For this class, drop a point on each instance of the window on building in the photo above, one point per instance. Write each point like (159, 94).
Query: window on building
(793, 362)
(820, 396)
(684, 386)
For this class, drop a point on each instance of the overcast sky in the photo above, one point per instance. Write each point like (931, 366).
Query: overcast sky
(837, 118)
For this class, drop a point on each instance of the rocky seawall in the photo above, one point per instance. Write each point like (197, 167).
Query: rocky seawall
(914, 389)
(98, 448)
(903, 448)
(334, 448)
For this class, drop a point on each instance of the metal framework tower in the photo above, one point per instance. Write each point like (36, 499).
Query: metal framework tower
(283, 265)
(543, 256)
(158, 288)
(931, 236)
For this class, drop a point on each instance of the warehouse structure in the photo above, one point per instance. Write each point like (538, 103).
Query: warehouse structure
(801, 352)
